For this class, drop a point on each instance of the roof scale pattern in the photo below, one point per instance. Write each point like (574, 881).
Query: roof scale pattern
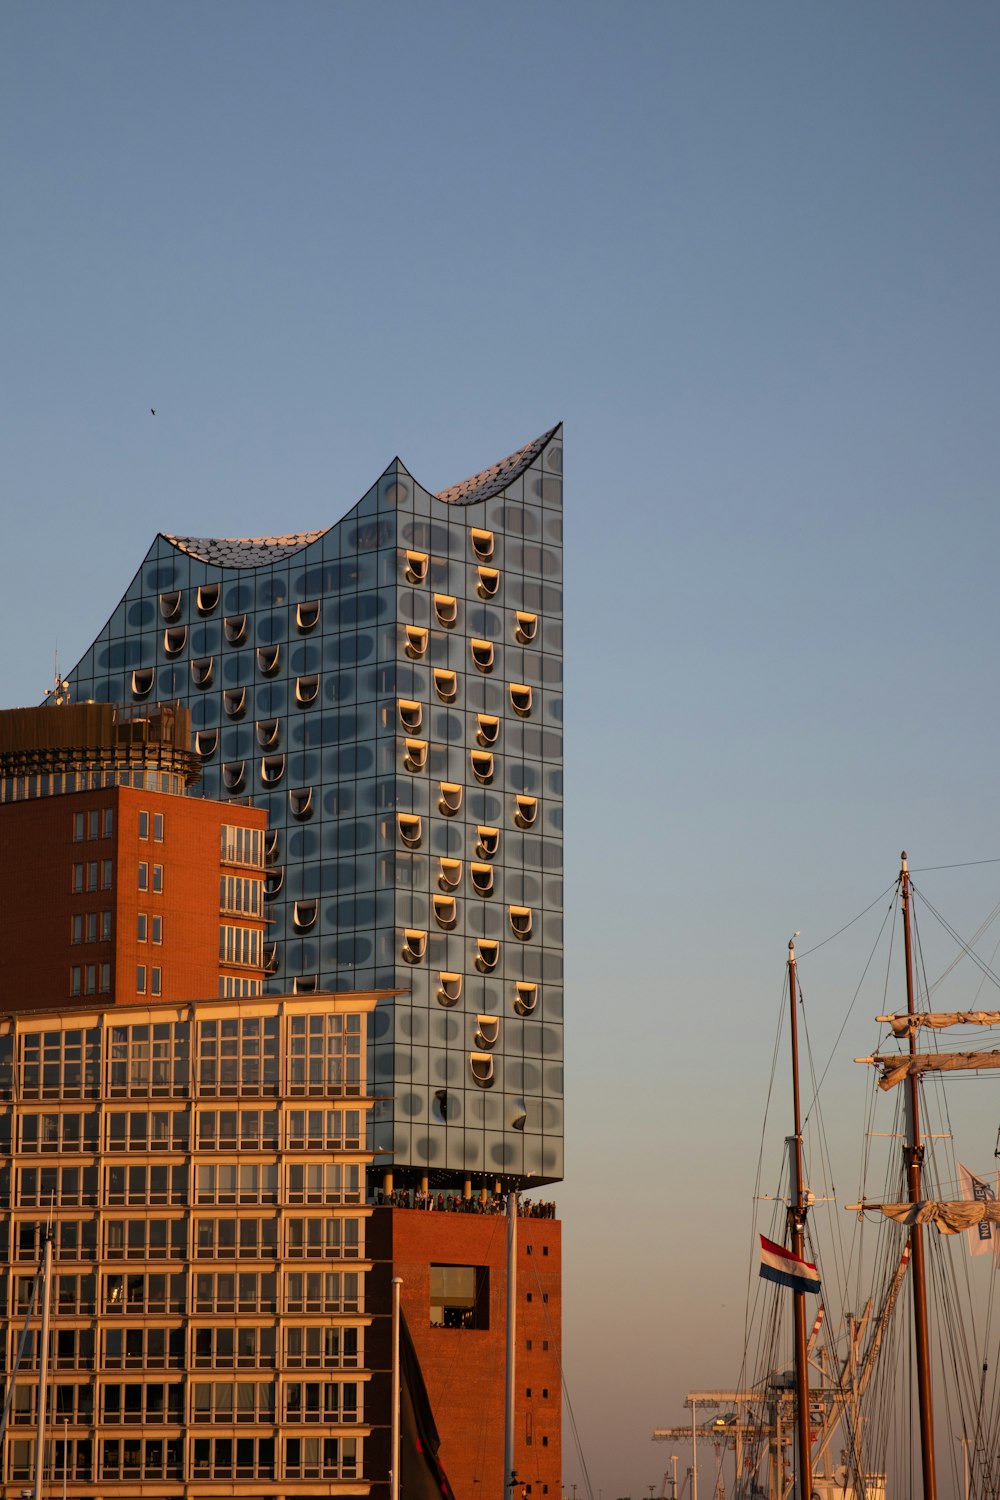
(390, 688)
(242, 552)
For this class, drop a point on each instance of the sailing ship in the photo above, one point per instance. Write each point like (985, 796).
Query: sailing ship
(822, 1429)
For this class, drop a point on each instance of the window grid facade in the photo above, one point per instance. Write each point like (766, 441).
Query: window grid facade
(405, 662)
(187, 1278)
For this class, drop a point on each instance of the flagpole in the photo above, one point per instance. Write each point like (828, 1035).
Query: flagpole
(508, 1399)
(397, 1282)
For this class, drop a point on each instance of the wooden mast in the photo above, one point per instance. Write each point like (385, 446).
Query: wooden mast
(796, 1223)
(913, 1157)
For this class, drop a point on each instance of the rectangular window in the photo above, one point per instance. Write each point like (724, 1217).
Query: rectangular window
(92, 927)
(154, 981)
(105, 874)
(142, 922)
(460, 1296)
(75, 980)
(108, 822)
(105, 927)
(77, 827)
(105, 979)
(77, 929)
(241, 945)
(325, 1054)
(156, 930)
(144, 825)
(158, 828)
(143, 876)
(140, 979)
(90, 987)
(77, 879)
(93, 824)
(242, 897)
(242, 846)
(92, 875)
(157, 877)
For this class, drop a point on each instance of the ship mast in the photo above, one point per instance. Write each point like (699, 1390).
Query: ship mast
(913, 1157)
(797, 1210)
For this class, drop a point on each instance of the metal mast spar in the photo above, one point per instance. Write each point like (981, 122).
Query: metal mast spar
(913, 1157)
(796, 1224)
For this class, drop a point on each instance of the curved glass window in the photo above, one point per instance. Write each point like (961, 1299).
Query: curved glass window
(142, 682)
(307, 689)
(273, 881)
(525, 626)
(416, 641)
(300, 801)
(236, 628)
(520, 921)
(481, 1064)
(482, 765)
(482, 654)
(206, 742)
(208, 598)
(202, 671)
(451, 798)
(488, 841)
(414, 945)
(525, 811)
(307, 616)
(175, 639)
(416, 567)
(446, 609)
(450, 877)
(487, 954)
(411, 714)
(445, 911)
(482, 543)
(445, 685)
(267, 732)
(272, 768)
(270, 958)
(488, 731)
(233, 773)
(410, 829)
(482, 879)
(416, 755)
(487, 1031)
(520, 698)
(268, 659)
(170, 604)
(234, 701)
(489, 582)
(525, 997)
(304, 914)
(449, 988)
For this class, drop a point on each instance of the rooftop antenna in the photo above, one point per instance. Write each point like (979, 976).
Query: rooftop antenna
(59, 692)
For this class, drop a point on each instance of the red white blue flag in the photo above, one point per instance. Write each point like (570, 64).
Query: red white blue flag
(780, 1265)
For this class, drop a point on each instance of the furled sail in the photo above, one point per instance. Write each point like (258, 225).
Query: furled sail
(896, 1068)
(950, 1218)
(938, 1019)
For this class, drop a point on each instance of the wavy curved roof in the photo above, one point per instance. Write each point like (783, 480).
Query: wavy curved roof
(257, 551)
(243, 551)
(489, 482)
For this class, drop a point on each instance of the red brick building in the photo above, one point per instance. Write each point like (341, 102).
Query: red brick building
(453, 1267)
(113, 883)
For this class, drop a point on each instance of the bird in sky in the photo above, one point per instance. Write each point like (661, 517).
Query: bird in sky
(152, 411)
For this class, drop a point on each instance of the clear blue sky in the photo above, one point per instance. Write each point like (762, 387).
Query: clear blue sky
(748, 254)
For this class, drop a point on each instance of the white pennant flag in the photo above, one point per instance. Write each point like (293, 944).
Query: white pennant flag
(982, 1238)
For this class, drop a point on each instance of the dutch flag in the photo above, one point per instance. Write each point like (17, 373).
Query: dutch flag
(780, 1265)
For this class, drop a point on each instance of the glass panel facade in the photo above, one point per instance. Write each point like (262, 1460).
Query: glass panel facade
(340, 611)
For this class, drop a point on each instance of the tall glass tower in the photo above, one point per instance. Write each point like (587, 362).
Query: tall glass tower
(390, 688)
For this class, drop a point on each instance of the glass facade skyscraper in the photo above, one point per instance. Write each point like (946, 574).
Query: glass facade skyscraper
(390, 688)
